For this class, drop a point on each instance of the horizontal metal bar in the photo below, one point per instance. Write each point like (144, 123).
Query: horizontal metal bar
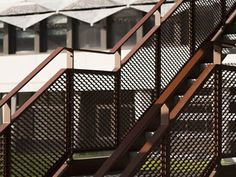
(32, 74)
(32, 99)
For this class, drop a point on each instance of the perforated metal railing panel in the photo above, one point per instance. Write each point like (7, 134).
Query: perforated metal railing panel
(2, 155)
(230, 4)
(192, 136)
(38, 136)
(208, 17)
(94, 110)
(191, 139)
(229, 113)
(139, 85)
(175, 43)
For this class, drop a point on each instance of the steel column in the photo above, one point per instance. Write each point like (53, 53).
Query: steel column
(165, 146)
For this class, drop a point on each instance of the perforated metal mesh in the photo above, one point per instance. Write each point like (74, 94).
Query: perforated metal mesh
(208, 17)
(138, 85)
(229, 113)
(175, 43)
(192, 141)
(152, 165)
(95, 111)
(38, 136)
(2, 155)
(229, 4)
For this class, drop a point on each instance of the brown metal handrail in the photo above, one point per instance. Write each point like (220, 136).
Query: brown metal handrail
(29, 77)
(192, 91)
(133, 30)
(137, 26)
(156, 139)
(150, 33)
(58, 50)
(152, 112)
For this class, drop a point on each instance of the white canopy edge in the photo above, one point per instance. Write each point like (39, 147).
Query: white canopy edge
(144, 8)
(92, 16)
(26, 20)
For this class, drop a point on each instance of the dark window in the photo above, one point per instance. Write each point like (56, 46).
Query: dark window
(120, 23)
(89, 36)
(25, 39)
(148, 25)
(56, 31)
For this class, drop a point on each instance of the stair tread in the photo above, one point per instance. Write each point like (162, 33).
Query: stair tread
(92, 155)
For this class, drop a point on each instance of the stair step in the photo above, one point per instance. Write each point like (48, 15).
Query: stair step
(91, 155)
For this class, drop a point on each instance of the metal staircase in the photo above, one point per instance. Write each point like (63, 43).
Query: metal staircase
(168, 110)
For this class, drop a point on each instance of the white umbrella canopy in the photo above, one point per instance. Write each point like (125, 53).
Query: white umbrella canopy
(24, 7)
(92, 16)
(88, 4)
(142, 1)
(90, 11)
(4, 4)
(55, 5)
(144, 8)
(26, 20)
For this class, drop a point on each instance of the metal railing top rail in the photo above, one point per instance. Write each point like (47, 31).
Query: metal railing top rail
(30, 76)
(57, 51)
(31, 100)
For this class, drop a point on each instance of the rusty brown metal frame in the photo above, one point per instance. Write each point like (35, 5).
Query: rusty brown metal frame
(152, 111)
(137, 26)
(191, 92)
(146, 149)
(145, 121)
(33, 74)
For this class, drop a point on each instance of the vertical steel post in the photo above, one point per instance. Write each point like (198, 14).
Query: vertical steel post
(158, 55)
(117, 94)
(7, 137)
(217, 58)
(165, 146)
(69, 101)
